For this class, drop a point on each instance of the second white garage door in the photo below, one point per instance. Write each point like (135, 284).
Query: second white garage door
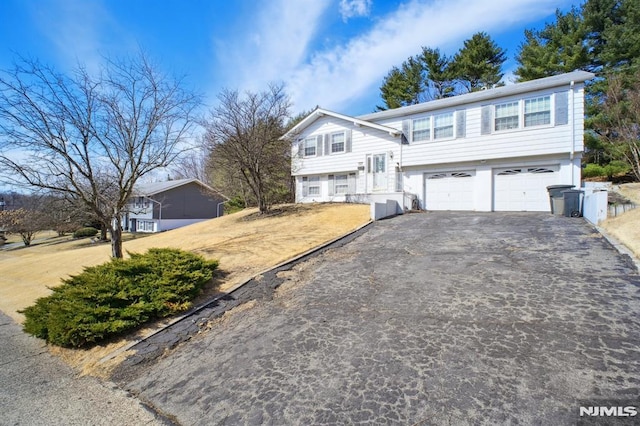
(450, 190)
(523, 188)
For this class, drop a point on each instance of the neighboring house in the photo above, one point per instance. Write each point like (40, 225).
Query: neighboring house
(492, 150)
(160, 206)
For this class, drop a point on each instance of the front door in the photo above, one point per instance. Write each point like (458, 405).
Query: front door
(376, 172)
(133, 225)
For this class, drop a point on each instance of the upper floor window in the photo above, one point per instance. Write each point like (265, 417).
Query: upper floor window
(337, 142)
(507, 116)
(310, 147)
(443, 125)
(421, 129)
(537, 111)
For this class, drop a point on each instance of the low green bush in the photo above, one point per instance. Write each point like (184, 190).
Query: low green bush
(614, 168)
(85, 232)
(592, 170)
(118, 296)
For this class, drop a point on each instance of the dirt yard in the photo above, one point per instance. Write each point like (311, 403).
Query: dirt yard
(626, 227)
(245, 244)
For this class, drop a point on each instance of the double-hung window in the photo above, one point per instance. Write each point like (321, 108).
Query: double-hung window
(537, 111)
(337, 142)
(421, 129)
(310, 186)
(341, 184)
(443, 125)
(507, 116)
(310, 147)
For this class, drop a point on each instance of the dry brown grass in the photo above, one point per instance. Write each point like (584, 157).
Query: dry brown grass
(245, 244)
(626, 227)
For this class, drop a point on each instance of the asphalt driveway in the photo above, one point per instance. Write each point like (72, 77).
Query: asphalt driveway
(435, 318)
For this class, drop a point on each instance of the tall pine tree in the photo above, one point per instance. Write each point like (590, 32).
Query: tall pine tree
(558, 48)
(478, 65)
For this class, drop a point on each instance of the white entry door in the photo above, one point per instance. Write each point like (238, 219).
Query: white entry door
(377, 172)
(523, 188)
(450, 190)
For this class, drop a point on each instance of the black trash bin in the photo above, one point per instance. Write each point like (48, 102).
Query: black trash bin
(556, 199)
(573, 202)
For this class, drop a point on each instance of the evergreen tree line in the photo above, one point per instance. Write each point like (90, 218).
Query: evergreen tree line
(600, 36)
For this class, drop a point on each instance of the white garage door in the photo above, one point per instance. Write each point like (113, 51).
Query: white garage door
(450, 190)
(523, 188)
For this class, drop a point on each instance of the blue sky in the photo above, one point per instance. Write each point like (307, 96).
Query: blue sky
(332, 53)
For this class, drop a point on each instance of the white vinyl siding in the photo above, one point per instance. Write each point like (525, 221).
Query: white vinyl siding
(421, 129)
(443, 126)
(507, 116)
(537, 111)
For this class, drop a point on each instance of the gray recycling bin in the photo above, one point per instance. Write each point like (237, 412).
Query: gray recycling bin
(556, 198)
(573, 202)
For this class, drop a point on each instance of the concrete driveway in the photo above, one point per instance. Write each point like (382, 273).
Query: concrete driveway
(436, 318)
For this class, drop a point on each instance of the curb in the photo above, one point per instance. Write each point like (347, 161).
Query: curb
(287, 264)
(622, 249)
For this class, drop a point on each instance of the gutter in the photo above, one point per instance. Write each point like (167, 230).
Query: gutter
(573, 132)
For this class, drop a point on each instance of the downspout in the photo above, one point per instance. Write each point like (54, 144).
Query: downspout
(573, 131)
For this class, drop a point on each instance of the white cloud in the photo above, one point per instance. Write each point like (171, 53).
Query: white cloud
(275, 42)
(334, 78)
(354, 8)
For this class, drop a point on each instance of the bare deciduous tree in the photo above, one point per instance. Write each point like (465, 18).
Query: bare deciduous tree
(243, 135)
(90, 138)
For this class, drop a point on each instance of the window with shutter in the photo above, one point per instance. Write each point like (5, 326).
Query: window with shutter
(338, 142)
(310, 147)
(314, 185)
(421, 129)
(507, 116)
(443, 126)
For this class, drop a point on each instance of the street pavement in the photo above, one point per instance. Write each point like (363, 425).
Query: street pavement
(37, 388)
(435, 318)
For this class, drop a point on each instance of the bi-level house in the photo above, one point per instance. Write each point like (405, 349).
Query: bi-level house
(493, 150)
(161, 206)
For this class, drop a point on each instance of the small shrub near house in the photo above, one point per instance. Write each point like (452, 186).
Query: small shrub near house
(110, 299)
(85, 232)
